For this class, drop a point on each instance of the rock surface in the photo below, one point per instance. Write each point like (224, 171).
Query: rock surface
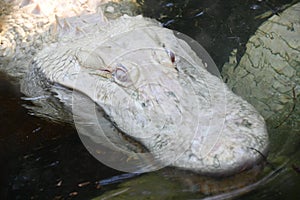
(268, 75)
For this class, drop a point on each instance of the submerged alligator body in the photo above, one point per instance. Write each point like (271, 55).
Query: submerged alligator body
(150, 84)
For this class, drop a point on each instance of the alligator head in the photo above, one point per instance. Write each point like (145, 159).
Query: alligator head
(156, 89)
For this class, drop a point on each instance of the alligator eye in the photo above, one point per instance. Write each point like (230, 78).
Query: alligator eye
(121, 73)
(171, 55)
(125, 74)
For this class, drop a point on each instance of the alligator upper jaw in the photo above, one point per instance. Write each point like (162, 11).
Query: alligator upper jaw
(197, 125)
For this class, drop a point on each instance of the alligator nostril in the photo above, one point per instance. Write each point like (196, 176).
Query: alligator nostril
(3, 43)
(246, 123)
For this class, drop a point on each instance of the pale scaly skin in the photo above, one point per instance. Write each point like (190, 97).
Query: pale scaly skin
(268, 75)
(25, 28)
(152, 86)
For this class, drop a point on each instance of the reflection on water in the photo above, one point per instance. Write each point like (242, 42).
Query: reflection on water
(43, 160)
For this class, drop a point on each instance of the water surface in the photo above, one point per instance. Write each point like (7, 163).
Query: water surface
(41, 159)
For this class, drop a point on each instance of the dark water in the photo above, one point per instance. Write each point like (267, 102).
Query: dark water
(37, 156)
(45, 160)
(219, 26)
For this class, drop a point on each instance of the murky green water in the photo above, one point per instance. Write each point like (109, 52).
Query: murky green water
(43, 160)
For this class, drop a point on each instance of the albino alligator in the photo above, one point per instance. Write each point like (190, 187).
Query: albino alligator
(151, 85)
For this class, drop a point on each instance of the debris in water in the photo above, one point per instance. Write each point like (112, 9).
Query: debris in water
(84, 184)
(59, 183)
(255, 7)
(73, 194)
(37, 130)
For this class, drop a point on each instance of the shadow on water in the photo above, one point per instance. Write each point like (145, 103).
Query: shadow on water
(45, 160)
(39, 159)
